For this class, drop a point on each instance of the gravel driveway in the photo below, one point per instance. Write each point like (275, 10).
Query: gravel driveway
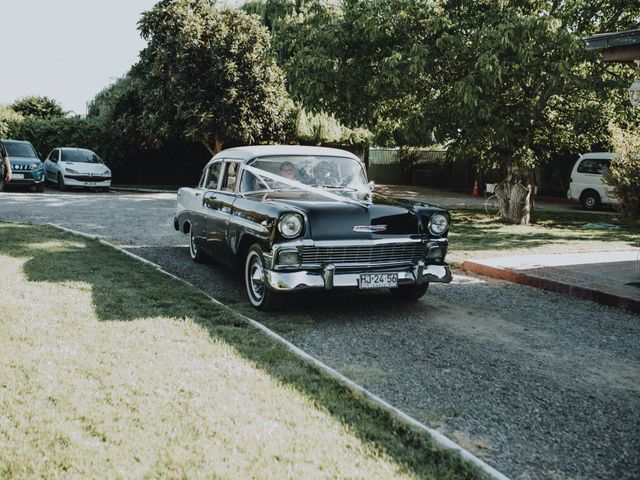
(537, 384)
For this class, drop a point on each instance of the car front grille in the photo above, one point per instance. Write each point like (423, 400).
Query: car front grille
(363, 254)
(20, 168)
(87, 178)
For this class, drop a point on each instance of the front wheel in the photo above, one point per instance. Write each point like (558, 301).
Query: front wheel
(40, 187)
(260, 295)
(61, 186)
(410, 293)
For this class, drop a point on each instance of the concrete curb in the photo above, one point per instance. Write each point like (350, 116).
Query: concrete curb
(142, 190)
(436, 436)
(551, 285)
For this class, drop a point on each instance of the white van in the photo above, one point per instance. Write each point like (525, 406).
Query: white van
(586, 184)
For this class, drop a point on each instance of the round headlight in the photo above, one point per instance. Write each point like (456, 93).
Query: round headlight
(438, 224)
(290, 225)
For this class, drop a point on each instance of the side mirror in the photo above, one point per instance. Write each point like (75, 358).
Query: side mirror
(371, 185)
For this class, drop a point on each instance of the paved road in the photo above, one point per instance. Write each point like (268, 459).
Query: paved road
(538, 384)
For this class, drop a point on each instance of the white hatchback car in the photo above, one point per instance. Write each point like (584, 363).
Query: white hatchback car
(586, 184)
(76, 167)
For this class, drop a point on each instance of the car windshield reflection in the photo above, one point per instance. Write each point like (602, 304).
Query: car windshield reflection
(80, 155)
(338, 174)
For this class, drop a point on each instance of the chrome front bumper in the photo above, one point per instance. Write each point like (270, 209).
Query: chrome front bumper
(328, 278)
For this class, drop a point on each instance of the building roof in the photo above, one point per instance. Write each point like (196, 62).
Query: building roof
(616, 46)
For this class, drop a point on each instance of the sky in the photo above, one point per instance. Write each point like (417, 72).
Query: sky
(68, 50)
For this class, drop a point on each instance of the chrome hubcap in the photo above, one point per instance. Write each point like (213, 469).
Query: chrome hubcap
(193, 246)
(256, 278)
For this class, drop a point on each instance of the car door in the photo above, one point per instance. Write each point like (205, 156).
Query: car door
(218, 205)
(51, 168)
(209, 182)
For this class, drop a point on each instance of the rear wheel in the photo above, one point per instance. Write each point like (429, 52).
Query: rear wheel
(590, 200)
(260, 295)
(410, 293)
(61, 186)
(194, 251)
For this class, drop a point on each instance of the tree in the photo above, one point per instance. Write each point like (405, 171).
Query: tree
(8, 117)
(208, 76)
(516, 85)
(39, 107)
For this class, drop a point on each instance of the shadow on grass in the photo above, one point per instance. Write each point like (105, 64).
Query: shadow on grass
(125, 290)
(472, 230)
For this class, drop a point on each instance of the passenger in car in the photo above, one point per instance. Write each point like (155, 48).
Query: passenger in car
(288, 170)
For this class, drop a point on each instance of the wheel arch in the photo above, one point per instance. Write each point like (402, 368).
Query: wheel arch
(244, 244)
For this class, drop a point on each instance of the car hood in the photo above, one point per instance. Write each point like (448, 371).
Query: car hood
(83, 167)
(334, 220)
(23, 160)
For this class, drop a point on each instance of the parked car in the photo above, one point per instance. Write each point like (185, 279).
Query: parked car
(76, 167)
(296, 217)
(586, 184)
(26, 166)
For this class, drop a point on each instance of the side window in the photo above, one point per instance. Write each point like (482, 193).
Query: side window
(213, 176)
(54, 155)
(593, 165)
(230, 177)
(249, 182)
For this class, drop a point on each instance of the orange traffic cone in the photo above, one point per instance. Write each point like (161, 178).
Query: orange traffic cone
(474, 193)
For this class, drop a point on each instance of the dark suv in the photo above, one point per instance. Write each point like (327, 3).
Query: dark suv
(26, 166)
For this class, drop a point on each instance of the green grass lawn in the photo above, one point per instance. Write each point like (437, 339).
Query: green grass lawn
(474, 234)
(110, 369)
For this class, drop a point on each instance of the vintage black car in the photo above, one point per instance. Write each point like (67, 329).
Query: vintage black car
(297, 217)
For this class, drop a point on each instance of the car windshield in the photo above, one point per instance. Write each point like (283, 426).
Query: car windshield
(80, 155)
(339, 174)
(15, 149)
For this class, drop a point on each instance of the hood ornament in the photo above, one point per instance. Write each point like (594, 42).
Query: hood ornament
(369, 228)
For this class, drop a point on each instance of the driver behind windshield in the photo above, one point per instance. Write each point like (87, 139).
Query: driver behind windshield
(324, 174)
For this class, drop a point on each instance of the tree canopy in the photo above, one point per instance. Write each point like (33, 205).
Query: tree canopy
(208, 76)
(38, 106)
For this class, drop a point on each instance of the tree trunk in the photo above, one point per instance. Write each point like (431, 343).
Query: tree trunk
(217, 146)
(514, 193)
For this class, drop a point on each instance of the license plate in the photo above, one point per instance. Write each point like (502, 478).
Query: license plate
(89, 184)
(378, 280)
(18, 175)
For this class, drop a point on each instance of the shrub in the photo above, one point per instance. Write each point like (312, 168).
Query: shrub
(624, 172)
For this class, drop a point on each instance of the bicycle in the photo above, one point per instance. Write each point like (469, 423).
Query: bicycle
(492, 203)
